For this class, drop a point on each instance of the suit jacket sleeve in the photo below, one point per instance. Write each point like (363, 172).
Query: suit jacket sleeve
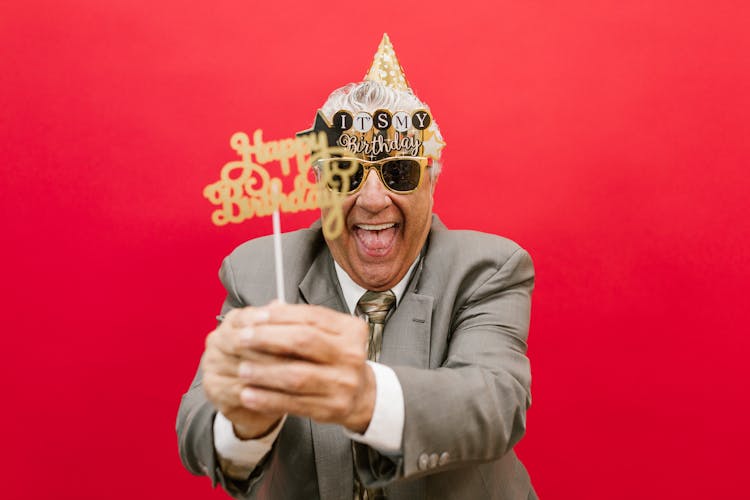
(196, 415)
(472, 408)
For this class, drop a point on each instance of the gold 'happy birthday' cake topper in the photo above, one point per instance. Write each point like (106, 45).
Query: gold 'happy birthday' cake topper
(246, 189)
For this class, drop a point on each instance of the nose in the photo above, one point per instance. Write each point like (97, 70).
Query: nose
(373, 196)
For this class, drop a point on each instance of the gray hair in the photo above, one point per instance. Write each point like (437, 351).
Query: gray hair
(370, 96)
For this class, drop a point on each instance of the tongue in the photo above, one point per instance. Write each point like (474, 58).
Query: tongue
(376, 240)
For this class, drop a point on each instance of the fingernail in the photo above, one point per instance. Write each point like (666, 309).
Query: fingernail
(262, 314)
(245, 370)
(246, 335)
(247, 396)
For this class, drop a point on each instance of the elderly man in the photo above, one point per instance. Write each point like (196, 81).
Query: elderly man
(289, 404)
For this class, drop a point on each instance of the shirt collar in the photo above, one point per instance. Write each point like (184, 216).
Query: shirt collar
(353, 292)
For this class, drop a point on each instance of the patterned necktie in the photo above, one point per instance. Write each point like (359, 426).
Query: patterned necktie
(376, 306)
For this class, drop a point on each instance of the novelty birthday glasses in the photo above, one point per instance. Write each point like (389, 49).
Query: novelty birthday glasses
(399, 174)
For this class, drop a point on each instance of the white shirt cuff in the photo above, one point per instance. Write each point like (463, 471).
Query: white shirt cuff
(238, 457)
(386, 428)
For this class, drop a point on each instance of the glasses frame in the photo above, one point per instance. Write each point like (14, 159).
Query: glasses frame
(377, 165)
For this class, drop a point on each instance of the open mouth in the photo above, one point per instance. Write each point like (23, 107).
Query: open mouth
(376, 239)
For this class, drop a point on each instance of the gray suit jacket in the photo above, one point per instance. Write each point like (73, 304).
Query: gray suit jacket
(457, 342)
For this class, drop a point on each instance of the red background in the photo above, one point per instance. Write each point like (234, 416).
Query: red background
(609, 138)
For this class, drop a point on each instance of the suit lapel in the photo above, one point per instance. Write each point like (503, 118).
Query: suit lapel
(406, 338)
(320, 286)
(332, 449)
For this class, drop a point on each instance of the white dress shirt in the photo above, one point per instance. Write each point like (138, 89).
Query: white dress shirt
(238, 457)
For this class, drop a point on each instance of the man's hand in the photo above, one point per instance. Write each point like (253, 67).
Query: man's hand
(220, 365)
(305, 360)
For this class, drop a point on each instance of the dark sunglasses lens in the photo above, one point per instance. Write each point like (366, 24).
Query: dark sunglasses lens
(356, 179)
(401, 175)
(337, 181)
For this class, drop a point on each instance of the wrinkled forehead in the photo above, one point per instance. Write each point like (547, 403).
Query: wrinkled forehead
(379, 134)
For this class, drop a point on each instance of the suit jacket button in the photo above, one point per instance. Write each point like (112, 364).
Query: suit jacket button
(433, 460)
(444, 457)
(423, 461)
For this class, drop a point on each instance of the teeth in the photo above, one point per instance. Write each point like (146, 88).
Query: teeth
(375, 227)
